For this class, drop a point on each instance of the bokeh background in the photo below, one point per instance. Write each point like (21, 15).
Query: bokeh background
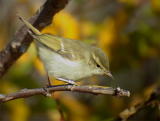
(127, 30)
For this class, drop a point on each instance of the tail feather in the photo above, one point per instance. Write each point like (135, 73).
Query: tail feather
(32, 29)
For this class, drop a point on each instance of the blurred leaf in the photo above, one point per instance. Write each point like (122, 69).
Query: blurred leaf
(19, 111)
(107, 34)
(156, 5)
(39, 66)
(65, 24)
(126, 113)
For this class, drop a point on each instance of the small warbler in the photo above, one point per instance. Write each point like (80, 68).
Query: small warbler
(68, 60)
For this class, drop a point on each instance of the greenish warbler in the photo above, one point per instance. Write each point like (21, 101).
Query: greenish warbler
(68, 60)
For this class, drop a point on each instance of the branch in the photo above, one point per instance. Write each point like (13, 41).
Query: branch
(24, 93)
(129, 113)
(21, 40)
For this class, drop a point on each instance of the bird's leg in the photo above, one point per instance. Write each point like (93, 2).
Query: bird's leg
(68, 81)
(48, 85)
(49, 82)
(49, 94)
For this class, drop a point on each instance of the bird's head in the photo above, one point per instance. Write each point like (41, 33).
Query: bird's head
(101, 62)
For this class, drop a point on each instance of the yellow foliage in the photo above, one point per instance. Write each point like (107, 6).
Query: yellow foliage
(107, 34)
(23, 59)
(54, 115)
(65, 24)
(19, 111)
(127, 112)
(39, 66)
(87, 28)
(51, 29)
(78, 111)
(29, 56)
(7, 87)
(155, 4)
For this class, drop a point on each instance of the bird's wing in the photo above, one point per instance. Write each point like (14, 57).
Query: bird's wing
(70, 49)
(49, 41)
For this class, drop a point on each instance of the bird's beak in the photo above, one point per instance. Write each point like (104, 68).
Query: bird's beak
(110, 75)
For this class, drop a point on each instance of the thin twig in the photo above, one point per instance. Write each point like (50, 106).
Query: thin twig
(21, 40)
(24, 93)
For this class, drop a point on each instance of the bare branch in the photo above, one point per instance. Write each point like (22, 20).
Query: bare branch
(24, 93)
(21, 41)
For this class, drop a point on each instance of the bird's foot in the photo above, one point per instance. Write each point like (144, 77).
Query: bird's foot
(46, 92)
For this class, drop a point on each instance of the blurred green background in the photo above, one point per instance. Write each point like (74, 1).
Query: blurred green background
(127, 30)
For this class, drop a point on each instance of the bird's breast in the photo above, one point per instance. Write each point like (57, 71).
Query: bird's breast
(60, 67)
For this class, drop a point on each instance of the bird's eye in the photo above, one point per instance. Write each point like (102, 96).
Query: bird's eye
(98, 65)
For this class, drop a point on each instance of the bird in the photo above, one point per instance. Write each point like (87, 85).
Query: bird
(68, 60)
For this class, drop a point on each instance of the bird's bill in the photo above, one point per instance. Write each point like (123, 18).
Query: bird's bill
(109, 74)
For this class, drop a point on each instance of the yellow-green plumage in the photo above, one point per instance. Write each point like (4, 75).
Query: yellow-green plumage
(68, 59)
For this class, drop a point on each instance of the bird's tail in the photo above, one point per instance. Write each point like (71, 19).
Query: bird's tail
(32, 30)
